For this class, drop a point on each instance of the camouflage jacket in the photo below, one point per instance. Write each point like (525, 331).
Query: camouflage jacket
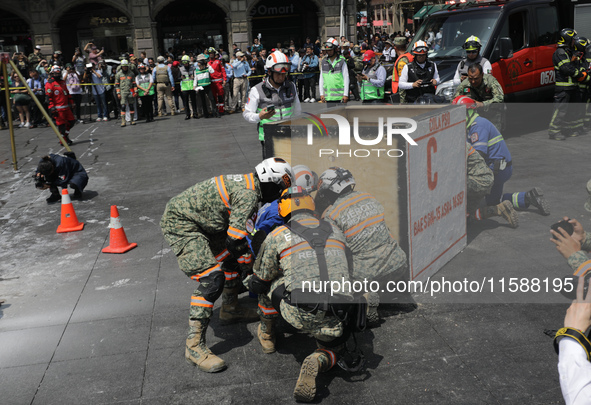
(489, 91)
(578, 258)
(287, 258)
(221, 204)
(361, 218)
(124, 81)
(480, 177)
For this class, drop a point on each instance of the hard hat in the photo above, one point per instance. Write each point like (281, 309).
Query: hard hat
(201, 57)
(470, 103)
(331, 43)
(368, 55)
(336, 179)
(581, 43)
(226, 58)
(141, 66)
(472, 44)
(160, 59)
(55, 69)
(305, 178)
(185, 58)
(277, 62)
(295, 199)
(124, 62)
(420, 48)
(211, 49)
(565, 36)
(275, 170)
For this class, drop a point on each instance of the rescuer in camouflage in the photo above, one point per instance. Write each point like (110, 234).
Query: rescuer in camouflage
(376, 254)
(284, 265)
(487, 92)
(206, 227)
(480, 179)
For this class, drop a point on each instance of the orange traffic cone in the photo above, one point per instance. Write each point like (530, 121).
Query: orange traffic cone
(69, 221)
(118, 242)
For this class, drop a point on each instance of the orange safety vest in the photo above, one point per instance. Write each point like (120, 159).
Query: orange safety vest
(396, 78)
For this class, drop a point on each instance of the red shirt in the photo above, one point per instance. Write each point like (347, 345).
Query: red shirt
(57, 93)
(218, 70)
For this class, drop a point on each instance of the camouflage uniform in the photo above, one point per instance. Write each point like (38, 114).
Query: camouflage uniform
(490, 93)
(197, 222)
(578, 258)
(287, 259)
(480, 178)
(376, 254)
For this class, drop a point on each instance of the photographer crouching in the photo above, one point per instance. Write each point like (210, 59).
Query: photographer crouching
(56, 170)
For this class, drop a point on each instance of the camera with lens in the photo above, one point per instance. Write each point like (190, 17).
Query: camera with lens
(40, 181)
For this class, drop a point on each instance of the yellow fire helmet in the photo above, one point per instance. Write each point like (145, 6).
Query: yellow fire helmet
(294, 199)
(472, 44)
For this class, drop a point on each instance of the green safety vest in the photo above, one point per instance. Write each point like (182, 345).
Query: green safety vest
(368, 90)
(332, 76)
(202, 77)
(282, 99)
(144, 81)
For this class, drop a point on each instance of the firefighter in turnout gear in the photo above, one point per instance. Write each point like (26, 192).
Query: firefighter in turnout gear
(418, 77)
(206, 228)
(304, 250)
(275, 98)
(568, 73)
(126, 91)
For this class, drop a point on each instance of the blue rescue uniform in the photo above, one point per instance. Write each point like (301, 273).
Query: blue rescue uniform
(489, 142)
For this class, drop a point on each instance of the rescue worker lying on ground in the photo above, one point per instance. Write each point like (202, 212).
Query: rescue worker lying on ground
(55, 171)
(376, 254)
(300, 253)
(206, 227)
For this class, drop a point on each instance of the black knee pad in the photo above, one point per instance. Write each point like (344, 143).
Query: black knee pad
(215, 286)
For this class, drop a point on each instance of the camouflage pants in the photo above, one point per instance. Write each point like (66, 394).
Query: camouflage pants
(196, 255)
(320, 325)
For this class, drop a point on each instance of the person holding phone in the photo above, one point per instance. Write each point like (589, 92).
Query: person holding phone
(273, 99)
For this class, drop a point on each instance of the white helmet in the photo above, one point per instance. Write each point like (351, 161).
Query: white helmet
(335, 179)
(305, 178)
(275, 170)
(278, 62)
(124, 62)
(332, 43)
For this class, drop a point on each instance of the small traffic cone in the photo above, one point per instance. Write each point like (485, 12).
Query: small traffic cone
(118, 242)
(69, 221)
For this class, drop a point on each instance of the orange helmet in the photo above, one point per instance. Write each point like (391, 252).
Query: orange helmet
(295, 199)
(420, 48)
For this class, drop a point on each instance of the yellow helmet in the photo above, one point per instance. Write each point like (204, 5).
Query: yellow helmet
(294, 199)
(472, 44)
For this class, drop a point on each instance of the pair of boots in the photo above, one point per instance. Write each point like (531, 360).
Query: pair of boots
(123, 122)
(196, 351)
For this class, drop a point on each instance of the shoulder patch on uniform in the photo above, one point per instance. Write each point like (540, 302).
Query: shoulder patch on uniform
(474, 137)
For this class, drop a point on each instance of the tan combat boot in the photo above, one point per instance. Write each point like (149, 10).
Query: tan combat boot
(373, 300)
(123, 122)
(231, 311)
(506, 210)
(319, 361)
(196, 351)
(266, 334)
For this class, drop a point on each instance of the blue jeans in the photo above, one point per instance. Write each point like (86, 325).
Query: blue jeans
(101, 105)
